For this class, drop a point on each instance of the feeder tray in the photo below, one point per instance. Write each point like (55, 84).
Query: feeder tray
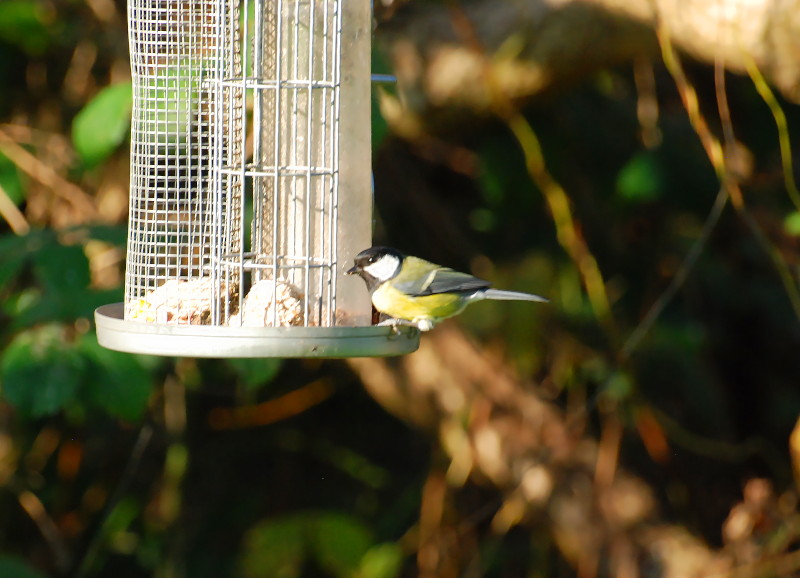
(210, 341)
(250, 182)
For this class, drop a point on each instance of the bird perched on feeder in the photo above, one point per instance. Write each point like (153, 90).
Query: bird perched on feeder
(419, 293)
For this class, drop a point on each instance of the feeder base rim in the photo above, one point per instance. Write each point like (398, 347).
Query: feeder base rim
(113, 332)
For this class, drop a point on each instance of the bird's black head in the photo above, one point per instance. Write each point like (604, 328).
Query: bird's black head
(377, 265)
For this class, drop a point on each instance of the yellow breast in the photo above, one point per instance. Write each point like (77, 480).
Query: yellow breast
(392, 302)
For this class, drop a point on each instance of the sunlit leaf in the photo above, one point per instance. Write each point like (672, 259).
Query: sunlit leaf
(340, 543)
(172, 96)
(39, 372)
(337, 542)
(102, 125)
(10, 180)
(791, 224)
(381, 561)
(274, 548)
(18, 303)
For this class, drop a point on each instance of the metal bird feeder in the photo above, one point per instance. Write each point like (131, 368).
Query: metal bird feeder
(250, 182)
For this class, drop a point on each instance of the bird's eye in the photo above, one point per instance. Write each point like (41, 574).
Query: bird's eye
(372, 259)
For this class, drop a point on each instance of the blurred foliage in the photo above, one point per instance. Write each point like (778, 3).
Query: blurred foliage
(51, 361)
(112, 464)
(27, 25)
(335, 543)
(102, 125)
(14, 568)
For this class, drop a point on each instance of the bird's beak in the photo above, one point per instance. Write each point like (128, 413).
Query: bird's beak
(352, 270)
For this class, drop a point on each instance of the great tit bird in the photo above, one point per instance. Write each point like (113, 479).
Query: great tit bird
(418, 293)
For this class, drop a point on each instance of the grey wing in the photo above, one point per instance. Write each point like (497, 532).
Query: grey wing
(442, 280)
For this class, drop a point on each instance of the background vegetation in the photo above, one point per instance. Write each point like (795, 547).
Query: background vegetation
(641, 424)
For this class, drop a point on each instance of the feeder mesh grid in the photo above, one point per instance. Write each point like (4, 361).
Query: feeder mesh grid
(234, 162)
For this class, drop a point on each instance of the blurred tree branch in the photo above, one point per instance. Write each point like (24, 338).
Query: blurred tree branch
(538, 46)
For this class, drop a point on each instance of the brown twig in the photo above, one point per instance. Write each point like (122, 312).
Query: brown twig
(714, 150)
(274, 410)
(13, 216)
(558, 202)
(34, 507)
(39, 171)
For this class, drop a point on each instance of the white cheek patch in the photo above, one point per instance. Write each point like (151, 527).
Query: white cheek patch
(384, 268)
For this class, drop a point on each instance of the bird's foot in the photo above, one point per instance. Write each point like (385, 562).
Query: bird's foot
(394, 323)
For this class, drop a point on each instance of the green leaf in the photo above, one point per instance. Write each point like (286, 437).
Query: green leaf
(117, 382)
(62, 269)
(26, 24)
(279, 548)
(382, 561)
(19, 304)
(619, 386)
(340, 542)
(11, 567)
(379, 127)
(63, 274)
(791, 224)
(483, 220)
(122, 517)
(102, 125)
(10, 180)
(275, 548)
(254, 373)
(113, 234)
(172, 97)
(641, 180)
(13, 254)
(39, 373)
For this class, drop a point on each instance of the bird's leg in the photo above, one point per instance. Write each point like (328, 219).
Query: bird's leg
(394, 323)
(421, 324)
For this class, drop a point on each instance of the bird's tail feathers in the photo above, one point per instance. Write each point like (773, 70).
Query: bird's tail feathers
(500, 295)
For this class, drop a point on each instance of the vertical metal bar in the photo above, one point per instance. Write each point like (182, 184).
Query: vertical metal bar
(132, 270)
(216, 120)
(326, 161)
(294, 161)
(242, 37)
(335, 148)
(276, 192)
(257, 232)
(310, 148)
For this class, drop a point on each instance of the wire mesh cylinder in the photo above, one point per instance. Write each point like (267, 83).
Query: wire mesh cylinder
(250, 160)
